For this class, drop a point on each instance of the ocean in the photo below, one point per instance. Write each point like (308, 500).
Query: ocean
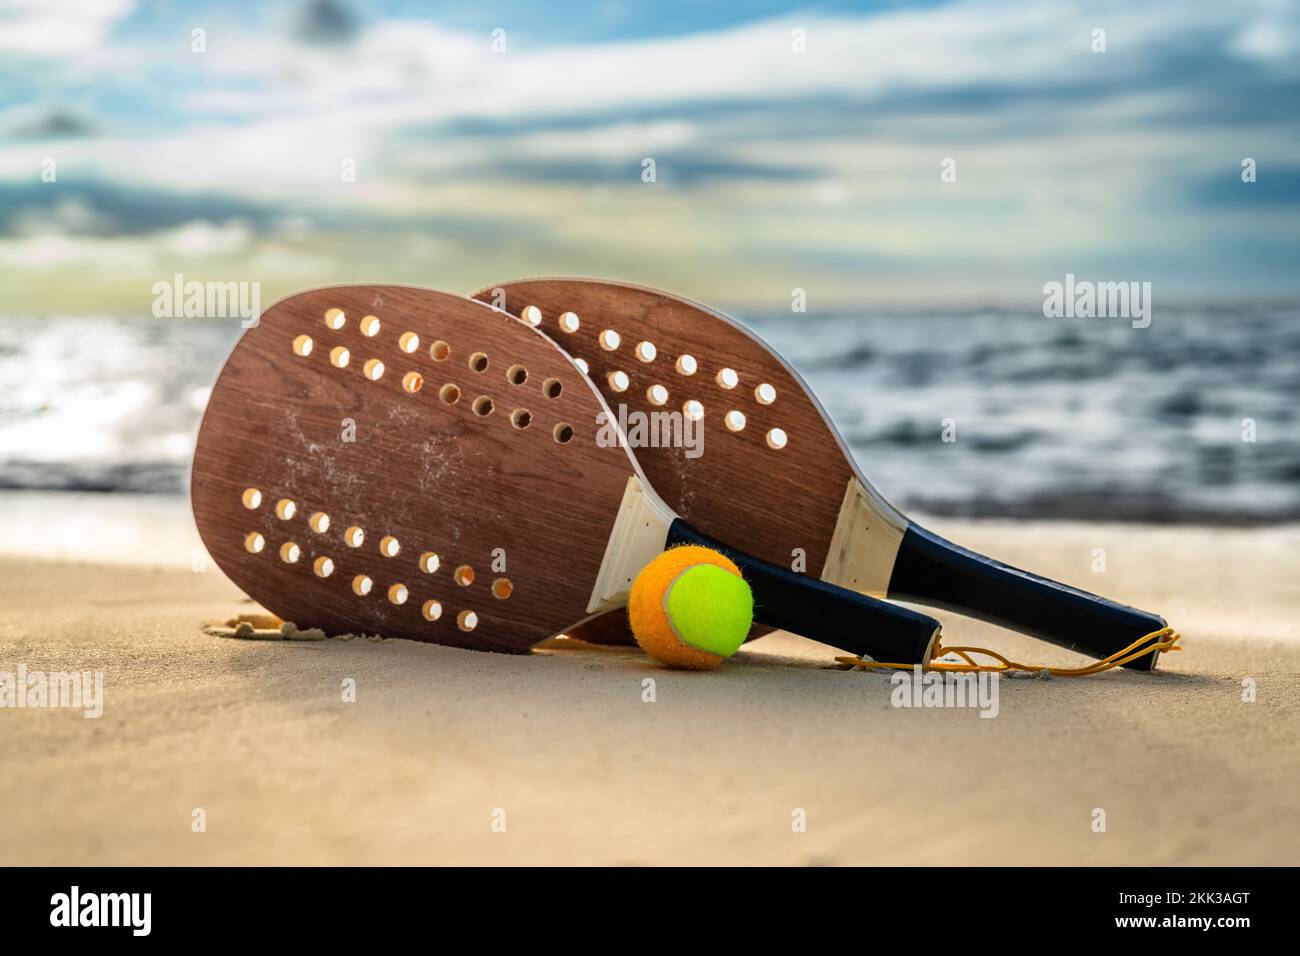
(1193, 419)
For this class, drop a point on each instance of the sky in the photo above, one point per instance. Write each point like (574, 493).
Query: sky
(793, 147)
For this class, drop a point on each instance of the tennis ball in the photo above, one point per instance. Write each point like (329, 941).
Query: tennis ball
(689, 608)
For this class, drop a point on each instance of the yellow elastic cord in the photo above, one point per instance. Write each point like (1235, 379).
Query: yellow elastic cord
(1165, 639)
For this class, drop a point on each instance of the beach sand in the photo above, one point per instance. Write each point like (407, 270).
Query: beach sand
(256, 735)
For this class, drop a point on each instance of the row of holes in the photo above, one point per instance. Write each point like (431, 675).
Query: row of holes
(520, 418)
(727, 378)
(412, 382)
(340, 357)
(657, 395)
(408, 342)
(353, 537)
(694, 410)
(362, 585)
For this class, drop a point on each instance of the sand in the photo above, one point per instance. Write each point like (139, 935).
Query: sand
(560, 746)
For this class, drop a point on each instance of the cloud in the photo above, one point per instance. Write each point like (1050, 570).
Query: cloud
(326, 22)
(822, 166)
(989, 48)
(99, 208)
(42, 28)
(685, 171)
(1276, 186)
(49, 124)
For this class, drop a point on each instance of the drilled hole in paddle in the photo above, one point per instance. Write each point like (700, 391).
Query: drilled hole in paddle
(388, 546)
(397, 593)
(686, 365)
(440, 351)
(302, 345)
(339, 356)
(449, 393)
(323, 566)
(609, 340)
(412, 382)
(432, 610)
(374, 369)
(353, 537)
(285, 509)
(483, 406)
(334, 319)
(552, 388)
(254, 543)
(478, 362)
(361, 585)
(521, 418)
(693, 410)
(319, 522)
(569, 322)
(582, 366)
(464, 575)
(765, 394)
(734, 420)
(429, 562)
(646, 351)
(408, 342)
(657, 395)
(516, 375)
(252, 498)
(467, 620)
(727, 378)
(290, 552)
(532, 315)
(370, 325)
(562, 433)
(776, 439)
(502, 588)
(618, 381)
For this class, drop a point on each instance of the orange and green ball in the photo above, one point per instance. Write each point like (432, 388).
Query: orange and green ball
(690, 608)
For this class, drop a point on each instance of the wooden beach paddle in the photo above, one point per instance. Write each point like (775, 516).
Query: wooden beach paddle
(412, 463)
(775, 478)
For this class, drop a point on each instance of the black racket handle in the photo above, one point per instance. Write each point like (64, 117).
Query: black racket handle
(933, 571)
(845, 619)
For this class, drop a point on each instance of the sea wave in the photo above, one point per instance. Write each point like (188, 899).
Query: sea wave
(1066, 418)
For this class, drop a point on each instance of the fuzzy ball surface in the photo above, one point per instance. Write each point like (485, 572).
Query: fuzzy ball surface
(690, 608)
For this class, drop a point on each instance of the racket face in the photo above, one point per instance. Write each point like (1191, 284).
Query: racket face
(772, 473)
(464, 470)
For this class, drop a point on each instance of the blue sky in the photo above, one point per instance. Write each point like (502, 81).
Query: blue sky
(775, 167)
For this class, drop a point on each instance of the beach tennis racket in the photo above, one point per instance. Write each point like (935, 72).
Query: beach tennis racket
(381, 459)
(775, 478)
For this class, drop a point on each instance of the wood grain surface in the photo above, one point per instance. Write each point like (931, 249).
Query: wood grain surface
(437, 477)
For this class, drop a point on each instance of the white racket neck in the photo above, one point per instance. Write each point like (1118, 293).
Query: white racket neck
(638, 537)
(865, 544)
